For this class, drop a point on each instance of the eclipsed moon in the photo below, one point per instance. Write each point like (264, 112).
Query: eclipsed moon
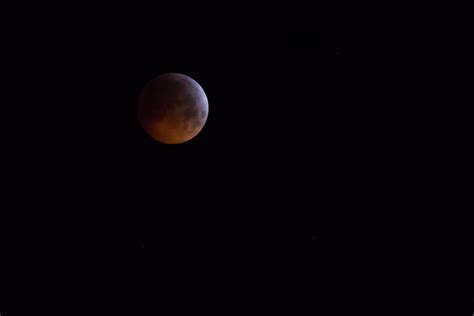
(172, 108)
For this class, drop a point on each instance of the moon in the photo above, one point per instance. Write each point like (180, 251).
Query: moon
(172, 108)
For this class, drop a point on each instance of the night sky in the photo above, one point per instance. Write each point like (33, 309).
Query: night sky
(331, 177)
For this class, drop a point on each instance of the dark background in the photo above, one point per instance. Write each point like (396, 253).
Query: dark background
(333, 175)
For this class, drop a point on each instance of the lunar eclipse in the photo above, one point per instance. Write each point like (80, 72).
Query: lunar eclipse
(172, 108)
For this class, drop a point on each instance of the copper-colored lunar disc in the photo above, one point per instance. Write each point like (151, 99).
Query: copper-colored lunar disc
(172, 108)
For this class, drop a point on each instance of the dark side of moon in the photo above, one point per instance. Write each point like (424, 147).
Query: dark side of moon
(172, 108)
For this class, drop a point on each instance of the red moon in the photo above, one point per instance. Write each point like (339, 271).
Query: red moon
(172, 108)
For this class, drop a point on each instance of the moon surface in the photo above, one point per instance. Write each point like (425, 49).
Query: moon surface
(172, 108)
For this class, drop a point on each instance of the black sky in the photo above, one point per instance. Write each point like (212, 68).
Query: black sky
(330, 179)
